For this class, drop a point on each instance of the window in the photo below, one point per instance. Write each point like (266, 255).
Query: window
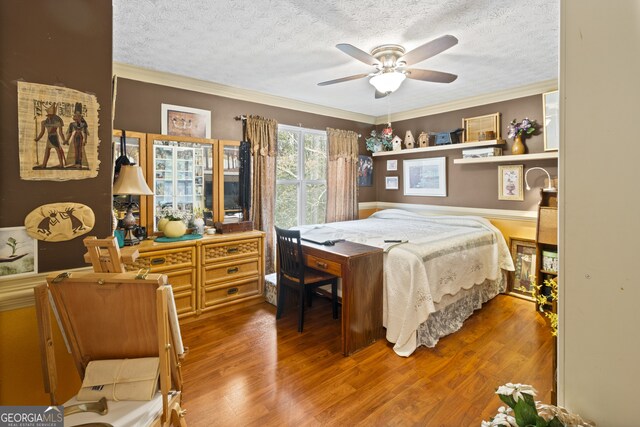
(301, 176)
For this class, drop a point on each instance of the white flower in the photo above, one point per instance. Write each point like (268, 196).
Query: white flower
(501, 419)
(516, 390)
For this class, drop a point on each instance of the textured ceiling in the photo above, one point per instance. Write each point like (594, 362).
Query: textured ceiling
(285, 48)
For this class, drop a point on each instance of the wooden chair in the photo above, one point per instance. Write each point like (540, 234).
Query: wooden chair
(292, 273)
(114, 316)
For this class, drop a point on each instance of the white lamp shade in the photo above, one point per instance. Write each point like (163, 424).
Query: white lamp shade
(387, 82)
(131, 182)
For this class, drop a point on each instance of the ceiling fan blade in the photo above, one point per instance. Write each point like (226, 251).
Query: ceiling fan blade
(430, 75)
(343, 79)
(380, 94)
(358, 54)
(428, 50)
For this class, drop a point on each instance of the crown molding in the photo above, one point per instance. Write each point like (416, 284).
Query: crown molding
(505, 95)
(173, 80)
(454, 210)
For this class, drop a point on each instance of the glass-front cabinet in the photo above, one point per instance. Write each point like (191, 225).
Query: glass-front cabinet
(175, 178)
(181, 171)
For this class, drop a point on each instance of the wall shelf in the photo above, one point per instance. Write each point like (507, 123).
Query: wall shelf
(508, 158)
(460, 146)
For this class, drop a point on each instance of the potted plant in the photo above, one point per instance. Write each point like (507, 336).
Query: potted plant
(524, 411)
(380, 142)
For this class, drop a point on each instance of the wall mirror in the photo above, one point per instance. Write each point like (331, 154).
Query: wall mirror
(230, 182)
(135, 150)
(551, 112)
(181, 173)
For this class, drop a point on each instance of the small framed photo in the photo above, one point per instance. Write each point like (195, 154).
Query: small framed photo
(523, 252)
(186, 121)
(551, 113)
(425, 177)
(365, 171)
(510, 183)
(392, 165)
(391, 183)
(18, 253)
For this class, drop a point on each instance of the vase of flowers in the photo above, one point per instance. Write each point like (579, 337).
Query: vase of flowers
(523, 410)
(175, 224)
(517, 131)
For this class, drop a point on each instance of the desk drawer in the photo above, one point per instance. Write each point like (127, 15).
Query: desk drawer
(230, 250)
(213, 295)
(323, 265)
(230, 270)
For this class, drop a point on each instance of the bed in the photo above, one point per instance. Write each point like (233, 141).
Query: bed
(441, 270)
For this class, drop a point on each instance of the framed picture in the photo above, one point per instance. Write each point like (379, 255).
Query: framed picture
(18, 253)
(391, 183)
(392, 165)
(425, 177)
(365, 171)
(523, 252)
(510, 183)
(185, 121)
(551, 113)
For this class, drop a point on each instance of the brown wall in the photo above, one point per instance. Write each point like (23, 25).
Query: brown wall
(138, 108)
(68, 43)
(474, 185)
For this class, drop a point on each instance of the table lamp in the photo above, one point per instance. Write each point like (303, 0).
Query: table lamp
(549, 186)
(130, 182)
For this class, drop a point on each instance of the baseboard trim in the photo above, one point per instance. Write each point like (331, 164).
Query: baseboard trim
(18, 293)
(454, 210)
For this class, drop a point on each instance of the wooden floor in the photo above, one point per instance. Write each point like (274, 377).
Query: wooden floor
(244, 368)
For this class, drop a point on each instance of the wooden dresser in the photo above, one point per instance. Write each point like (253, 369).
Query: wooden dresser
(215, 273)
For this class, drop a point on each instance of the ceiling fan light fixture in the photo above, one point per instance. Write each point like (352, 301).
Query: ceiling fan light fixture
(387, 82)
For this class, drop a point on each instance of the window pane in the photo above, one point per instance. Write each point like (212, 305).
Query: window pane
(287, 160)
(316, 203)
(315, 156)
(286, 205)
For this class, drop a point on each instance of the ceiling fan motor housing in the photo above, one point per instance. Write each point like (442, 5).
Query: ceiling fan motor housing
(388, 55)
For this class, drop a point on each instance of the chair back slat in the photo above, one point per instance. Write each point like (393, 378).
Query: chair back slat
(290, 257)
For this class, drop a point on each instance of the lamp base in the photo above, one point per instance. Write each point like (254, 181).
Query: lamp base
(130, 239)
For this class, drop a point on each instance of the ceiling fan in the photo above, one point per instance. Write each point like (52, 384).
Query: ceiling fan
(391, 64)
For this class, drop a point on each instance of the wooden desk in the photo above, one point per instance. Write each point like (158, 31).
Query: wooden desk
(360, 268)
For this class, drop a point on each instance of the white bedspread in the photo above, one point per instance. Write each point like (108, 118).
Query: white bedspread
(442, 255)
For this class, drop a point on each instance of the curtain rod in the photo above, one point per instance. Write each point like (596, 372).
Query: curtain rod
(243, 117)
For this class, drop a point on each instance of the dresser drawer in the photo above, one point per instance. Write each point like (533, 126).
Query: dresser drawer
(230, 250)
(159, 261)
(219, 272)
(323, 265)
(183, 285)
(215, 295)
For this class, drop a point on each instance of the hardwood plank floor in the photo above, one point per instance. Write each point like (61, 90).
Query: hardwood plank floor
(246, 369)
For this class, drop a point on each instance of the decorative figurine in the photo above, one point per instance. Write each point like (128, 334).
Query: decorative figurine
(397, 143)
(423, 139)
(408, 140)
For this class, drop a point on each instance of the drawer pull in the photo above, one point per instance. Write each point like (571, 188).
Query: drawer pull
(157, 261)
(232, 270)
(232, 291)
(232, 250)
(322, 265)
